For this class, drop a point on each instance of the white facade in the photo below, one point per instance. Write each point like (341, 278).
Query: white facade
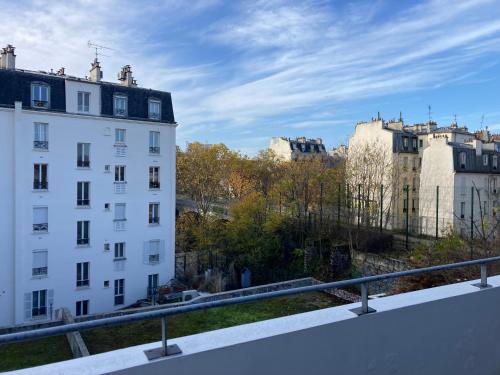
(46, 260)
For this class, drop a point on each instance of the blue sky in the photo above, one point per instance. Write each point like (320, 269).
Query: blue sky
(241, 72)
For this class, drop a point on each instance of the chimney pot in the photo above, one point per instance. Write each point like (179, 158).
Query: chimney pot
(125, 77)
(95, 71)
(8, 57)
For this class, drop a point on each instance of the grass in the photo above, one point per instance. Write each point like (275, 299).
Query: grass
(34, 353)
(55, 349)
(112, 338)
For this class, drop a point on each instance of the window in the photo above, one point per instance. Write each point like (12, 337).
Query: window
(405, 205)
(405, 162)
(421, 143)
(152, 284)
(41, 138)
(40, 95)
(120, 250)
(39, 303)
(462, 210)
(414, 143)
(495, 162)
(40, 259)
(119, 291)
(83, 101)
(40, 177)
(83, 155)
(107, 168)
(154, 213)
(154, 177)
(463, 159)
(106, 284)
(415, 184)
(405, 143)
(83, 193)
(415, 161)
(82, 274)
(82, 307)
(154, 142)
(40, 219)
(120, 135)
(120, 105)
(154, 252)
(106, 247)
(119, 173)
(485, 160)
(82, 232)
(120, 211)
(154, 108)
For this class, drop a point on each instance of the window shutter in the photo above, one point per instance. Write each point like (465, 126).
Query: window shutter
(27, 305)
(120, 211)
(146, 252)
(40, 215)
(39, 259)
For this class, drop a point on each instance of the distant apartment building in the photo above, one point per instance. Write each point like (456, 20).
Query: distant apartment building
(421, 157)
(287, 149)
(88, 187)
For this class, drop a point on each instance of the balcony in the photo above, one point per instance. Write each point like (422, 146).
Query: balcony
(40, 185)
(120, 225)
(154, 184)
(83, 163)
(82, 283)
(154, 259)
(120, 150)
(39, 311)
(39, 271)
(119, 300)
(154, 149)
(40, 103)
(154, 220)
(83, 202)
(82, 241)
(41, 227)
(120, 187)
(41, 145)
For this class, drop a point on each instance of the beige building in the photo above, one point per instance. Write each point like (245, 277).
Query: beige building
(298, 149)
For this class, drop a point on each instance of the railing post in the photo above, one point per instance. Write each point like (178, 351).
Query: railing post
(484, 277)
(165, 350)
(364, 309)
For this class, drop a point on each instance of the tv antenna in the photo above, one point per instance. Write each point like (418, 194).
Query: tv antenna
(429, 109)
(98, 48)
(482, 121)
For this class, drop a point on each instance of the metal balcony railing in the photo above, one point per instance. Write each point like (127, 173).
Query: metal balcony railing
(154, 149)
(154, 220)
(41, 227)
(162, 314)
(41, 145)
(154, 184)
(40, 185)
(83, 164)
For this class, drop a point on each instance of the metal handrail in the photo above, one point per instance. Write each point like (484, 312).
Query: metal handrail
(163, 313)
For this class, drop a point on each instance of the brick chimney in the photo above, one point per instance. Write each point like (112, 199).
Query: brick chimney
(95, 71)
(125, 77)
(8, 58)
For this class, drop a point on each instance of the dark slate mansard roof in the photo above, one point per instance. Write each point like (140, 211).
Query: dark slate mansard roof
(15, 85)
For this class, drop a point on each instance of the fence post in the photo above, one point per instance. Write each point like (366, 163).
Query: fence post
(381, 205)
(484, 277)
(437, 212)
(164, 350)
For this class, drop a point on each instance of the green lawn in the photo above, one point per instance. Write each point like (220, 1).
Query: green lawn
(111, 338)
(34, 353)
(54, 349)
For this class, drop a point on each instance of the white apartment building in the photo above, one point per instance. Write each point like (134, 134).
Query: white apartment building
(88, 192)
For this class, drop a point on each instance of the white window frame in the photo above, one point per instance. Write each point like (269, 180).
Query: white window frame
(83, 275)
(41, 136)
(120, 135)
(82, 307)
(119, 250)
(120, 105)
(154, 142)
(37, 97)
(83, 101)
(124, 211)
(154, 213)
(83, 232)
(485, 160)
(119, 291)
(40, 265)
(120, 173)
(42, 182)
(83, 193)
(154, 115)
(83, 155)
(495, 162)
(463, 159)
(39, 310)
(154, 177)
(38, 225)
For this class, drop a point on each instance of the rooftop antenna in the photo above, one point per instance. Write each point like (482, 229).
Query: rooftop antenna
(429, 108)
(98, 48)
(482, 121)
(455, 116)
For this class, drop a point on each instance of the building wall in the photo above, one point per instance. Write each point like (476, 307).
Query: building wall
(7, 216)
(65, 131)
(281, 148)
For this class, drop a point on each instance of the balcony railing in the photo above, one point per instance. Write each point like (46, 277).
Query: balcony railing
(83, 163)
(154, 259)
(120, 150)
(154, 149)
(41, 145)
(82, 283)
(40, 185)
(154, 184)
(41, 227)
(120, 187)
(82, 241)
(154, 220)
(40, 103)
(83, 202)
(163, 313)
(120, 224)
(39, 271)
(39, 311)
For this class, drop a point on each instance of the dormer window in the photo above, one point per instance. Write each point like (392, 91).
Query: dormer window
(154, 109)
(414, 143)
(463, 160)
(485, 160)
(83, 101)
(405, 143)
(495, 162)
(40, 93)
(120, 105)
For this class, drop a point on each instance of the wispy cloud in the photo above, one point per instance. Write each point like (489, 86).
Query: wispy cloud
(265, 67)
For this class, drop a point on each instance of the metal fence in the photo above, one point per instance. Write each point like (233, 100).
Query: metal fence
(162, 314)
